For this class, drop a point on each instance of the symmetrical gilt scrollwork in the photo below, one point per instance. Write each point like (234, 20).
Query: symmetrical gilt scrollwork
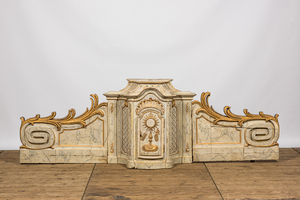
(229, 116)
(41, 135)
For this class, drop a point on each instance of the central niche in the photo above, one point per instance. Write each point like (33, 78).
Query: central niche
(151, 136)
(150, 131)
(149, 125)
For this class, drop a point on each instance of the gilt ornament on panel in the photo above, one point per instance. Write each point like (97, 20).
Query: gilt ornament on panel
(149, 125)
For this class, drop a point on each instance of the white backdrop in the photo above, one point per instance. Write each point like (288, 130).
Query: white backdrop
(54, 54)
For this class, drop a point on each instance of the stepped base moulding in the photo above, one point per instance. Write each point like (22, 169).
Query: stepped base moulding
(149, 125)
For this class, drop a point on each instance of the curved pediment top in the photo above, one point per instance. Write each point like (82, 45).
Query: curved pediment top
(136, 87)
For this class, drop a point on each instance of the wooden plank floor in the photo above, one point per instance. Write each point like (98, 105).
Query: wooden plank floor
(214, 180)
(41, 181)
(189, 181)
(259, 180)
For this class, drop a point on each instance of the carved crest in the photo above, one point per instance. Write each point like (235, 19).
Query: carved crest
(150, 103)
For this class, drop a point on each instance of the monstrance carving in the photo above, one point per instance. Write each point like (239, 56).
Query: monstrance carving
(150, 123)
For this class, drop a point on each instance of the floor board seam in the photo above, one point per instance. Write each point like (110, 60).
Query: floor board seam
(88, 182)
(213, 181)
(1, 151)
(296, 150)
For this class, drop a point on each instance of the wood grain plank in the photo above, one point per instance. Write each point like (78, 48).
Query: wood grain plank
(297, 149)
(185, 181)
(41, 181)
(235, 180)
(259, 180)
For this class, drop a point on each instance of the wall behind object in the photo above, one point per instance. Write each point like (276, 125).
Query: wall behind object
(53, 55)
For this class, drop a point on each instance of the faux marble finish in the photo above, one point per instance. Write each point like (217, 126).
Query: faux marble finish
(222, 153)
(91, 136)
(228, 141)
(154, 134)
(63, 156)
(72, 144)
(149, 125)
(208, 133)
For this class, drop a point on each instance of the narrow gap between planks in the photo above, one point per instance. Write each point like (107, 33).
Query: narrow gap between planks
(296, 150)
(88, 182)
(1, 151)
(213, 181)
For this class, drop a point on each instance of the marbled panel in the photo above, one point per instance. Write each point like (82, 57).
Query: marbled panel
(187, 131)
(37, 156)
(208, 133)
(218, 154)
(92, 135)
(151, 165)
(81, 156)
(261, 153)
(63, 156)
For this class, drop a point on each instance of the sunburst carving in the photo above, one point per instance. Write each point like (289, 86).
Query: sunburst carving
(150, 103)
(150, 123)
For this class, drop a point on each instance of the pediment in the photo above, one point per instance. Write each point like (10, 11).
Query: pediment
(137, 87)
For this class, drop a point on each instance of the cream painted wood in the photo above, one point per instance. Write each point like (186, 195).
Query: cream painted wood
(112, 129)
(156, 124)
(149, 125)
(71, 144)
(228, 141)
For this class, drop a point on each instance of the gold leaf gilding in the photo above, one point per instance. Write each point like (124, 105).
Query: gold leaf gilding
(229, 116)
(69, 119)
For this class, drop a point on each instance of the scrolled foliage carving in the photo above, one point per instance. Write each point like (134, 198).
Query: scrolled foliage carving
(36, 132)
(261, 130)
(229, 116)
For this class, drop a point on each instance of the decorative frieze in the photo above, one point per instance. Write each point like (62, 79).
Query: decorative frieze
(149, 125)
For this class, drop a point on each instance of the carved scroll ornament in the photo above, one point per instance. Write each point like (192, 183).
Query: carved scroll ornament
(229, 116)
(149, 125)
(36, 134)
(262, 130)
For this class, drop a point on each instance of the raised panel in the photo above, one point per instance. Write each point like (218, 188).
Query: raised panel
(92, 135)
(150, 139)
(208, 133)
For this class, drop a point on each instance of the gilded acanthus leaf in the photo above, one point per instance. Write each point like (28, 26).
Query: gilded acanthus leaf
(69, 119)
(229, 116)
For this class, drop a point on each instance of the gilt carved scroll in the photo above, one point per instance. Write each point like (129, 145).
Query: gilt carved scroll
(149, 125)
